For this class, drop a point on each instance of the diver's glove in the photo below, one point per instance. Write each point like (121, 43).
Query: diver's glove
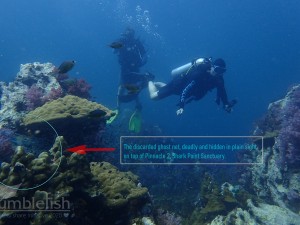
(228, 107)
(179, 111)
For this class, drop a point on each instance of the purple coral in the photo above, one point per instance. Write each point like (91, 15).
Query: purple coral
(289, 136)
(168, 218)
(34, 97)
(80, 88)
(6, 149)
(54, 93)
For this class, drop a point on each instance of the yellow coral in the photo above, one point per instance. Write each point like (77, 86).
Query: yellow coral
(71, 107)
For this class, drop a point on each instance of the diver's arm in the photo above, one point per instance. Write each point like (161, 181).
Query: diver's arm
(222, 95)
(184, 96)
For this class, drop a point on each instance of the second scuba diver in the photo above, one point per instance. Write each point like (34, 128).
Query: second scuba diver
(192, 82)
(131, 56)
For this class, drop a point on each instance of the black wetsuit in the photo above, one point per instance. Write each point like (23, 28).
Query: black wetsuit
(194, 85)
(131, 56)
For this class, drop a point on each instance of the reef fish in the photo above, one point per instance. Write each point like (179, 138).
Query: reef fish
(116, 44)
(97, 113)
(65, 67)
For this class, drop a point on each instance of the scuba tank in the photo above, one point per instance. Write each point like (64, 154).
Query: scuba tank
(183, 70)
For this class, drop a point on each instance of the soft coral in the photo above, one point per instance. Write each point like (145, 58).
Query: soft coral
(34, 97)
(78, 87)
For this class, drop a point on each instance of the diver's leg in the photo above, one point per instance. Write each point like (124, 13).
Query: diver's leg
(159, 84)
(153, 91)
(138, 105)
(120, 91)
(159, 90)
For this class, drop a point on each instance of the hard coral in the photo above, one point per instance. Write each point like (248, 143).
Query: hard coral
(87, 190)
(118, 188)
(72, 117)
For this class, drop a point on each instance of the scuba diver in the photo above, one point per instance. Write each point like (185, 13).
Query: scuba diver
(131, 56)
(192, 81)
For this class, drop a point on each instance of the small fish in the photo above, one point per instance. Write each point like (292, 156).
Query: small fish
(97, 113)
(116, 45)
(65, 67)
(132, 88)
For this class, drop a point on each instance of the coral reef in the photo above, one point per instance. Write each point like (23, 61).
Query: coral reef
(14, 103)
(167, 218)
(99, 193)
(282, 121)
(72, 117)
(261, 213)
(92, 193)
(78, 87)
(277, 180)
(289, 136)
(216, 201)
(119, 188)
(34, 97)
(35, 84)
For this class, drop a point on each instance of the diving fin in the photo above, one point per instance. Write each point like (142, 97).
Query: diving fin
(135, 122)
(111, 119)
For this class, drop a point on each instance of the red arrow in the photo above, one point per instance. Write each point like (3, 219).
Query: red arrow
(82, 149)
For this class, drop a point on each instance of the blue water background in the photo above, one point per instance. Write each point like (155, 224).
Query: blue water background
(259, 39)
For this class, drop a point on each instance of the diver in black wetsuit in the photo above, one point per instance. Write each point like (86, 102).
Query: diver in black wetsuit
(131, 56)
(193, 83)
